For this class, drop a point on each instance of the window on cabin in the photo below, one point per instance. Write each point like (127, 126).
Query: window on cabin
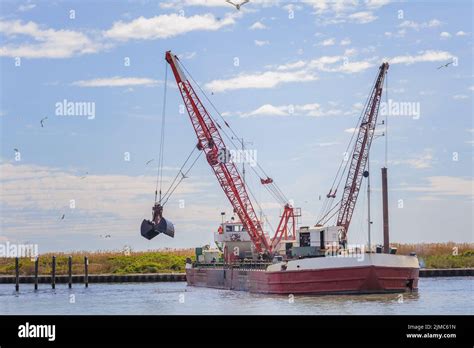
(305, 239)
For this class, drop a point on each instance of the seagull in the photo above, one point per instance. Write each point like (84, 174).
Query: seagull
(42, 121)
(62, 217)
(237, 6)
(148, 162)
(184, 175)
(444, 65)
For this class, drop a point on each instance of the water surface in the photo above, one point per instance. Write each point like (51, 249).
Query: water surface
(453, 295)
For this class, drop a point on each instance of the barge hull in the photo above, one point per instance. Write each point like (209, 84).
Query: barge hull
(370, 277)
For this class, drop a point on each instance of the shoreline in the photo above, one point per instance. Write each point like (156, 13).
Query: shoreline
(181, 277)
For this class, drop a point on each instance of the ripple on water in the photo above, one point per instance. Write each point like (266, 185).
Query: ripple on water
(453, 295)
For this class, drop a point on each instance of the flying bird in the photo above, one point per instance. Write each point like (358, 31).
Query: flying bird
(42, 121)
(184, 175)
(148, 162)
(84, 176)
(16, 150)
(444, 65)
(237, 6)
(62, 217)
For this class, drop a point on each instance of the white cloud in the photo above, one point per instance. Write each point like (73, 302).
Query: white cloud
(374, 4)
(420, 25)
(350, 52)
(185, 3)
(323, 6)
(115, 202)
(362, 17)
(421, 161)
(345, 11)
(350, 130)
(27, 7)
(116, 81)
(261, 42)
(311, 110)
(445, 35)
(49, 43)
(165, 26)
(268, 79)
(328, 42)
(337, 64)
(445, 186)
(292, 7)
(461, 33)
(299, 71)
(257, 26)
(460, 97)
(268, 110)
(327, 144)
(187, 55)
(290, 66)
(423, 56)
(345, 42)
(354, 67)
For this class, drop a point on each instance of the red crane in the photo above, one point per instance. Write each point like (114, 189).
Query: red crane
(211, 142)
(360, 153)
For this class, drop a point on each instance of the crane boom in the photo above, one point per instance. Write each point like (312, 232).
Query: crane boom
(211, 142)
(360, 153)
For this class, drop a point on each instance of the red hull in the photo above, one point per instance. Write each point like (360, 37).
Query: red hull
(364, 279)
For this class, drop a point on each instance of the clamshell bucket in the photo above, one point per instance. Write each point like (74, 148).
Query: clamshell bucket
(150, 230)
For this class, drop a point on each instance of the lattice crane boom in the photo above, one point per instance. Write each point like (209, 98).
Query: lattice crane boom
(211, 142)
(360, 153)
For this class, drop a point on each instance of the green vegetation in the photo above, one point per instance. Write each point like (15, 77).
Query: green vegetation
(167, 261)
(441, 255)
(433, 255)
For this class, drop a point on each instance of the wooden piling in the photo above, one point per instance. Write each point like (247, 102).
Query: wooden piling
(36, 272)
(53, 273)
(69, 264)
(86, 271)
(17, 274)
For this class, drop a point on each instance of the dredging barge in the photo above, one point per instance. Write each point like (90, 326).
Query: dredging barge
(301, 269)
(304, 260)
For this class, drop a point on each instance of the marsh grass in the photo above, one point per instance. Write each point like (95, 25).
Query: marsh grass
(433, 255)
(441, 255)
(104, 262)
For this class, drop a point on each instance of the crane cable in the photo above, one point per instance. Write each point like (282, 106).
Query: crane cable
(159, 175)
(328, 203)
(159, 197)
(275, 191)
(183, 176)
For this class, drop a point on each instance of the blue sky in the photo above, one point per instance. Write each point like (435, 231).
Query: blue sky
(304, 69)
